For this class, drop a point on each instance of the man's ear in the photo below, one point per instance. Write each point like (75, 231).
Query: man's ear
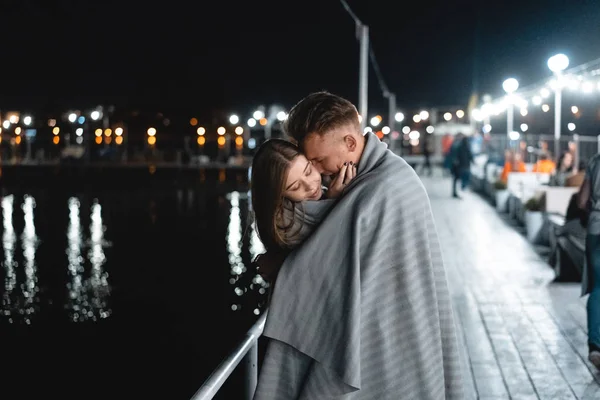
(350, 142)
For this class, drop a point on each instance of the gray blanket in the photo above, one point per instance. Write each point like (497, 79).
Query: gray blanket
(361, 310)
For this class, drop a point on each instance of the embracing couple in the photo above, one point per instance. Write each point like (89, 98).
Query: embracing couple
(360, 307)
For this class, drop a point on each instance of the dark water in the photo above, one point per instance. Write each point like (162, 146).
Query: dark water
(123, 284)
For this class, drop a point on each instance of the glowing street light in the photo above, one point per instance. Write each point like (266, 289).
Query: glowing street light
(251, 122)
(376, 120)
(399, 117)
(72, 117)
(281, 116)
(151, 132)
(510, 85)
(27, 120)
(234, 119)
(201, 131)
(95, 115)
(557, 64)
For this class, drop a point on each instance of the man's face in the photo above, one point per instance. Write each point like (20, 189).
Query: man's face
(328, 152)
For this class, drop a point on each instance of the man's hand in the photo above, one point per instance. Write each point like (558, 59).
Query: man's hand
(343, 178)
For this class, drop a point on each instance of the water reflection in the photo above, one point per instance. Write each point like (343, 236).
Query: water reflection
(88, 296)
(23, 303)
(29, 243)
(9, 240)
(234, 236)
(235, 240)
(234, 245)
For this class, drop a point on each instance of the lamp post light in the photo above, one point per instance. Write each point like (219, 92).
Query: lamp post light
(557, 64)
(510, 86)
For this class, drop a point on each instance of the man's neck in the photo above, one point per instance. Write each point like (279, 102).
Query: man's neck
(360, 148)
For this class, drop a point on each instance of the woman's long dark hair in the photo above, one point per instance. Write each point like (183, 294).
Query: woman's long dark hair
(561, 161)
(270, 167)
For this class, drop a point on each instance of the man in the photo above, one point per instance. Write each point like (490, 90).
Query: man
(589, 201)
(462, 158)
(361, 310)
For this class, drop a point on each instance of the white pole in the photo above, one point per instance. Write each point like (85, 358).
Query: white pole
(392, 118)
(363, 84)
(557, 115)
(510, 116)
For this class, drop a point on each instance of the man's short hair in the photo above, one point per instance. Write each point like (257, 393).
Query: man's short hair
(319, 113)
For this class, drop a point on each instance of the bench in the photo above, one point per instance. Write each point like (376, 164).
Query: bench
(566, 238)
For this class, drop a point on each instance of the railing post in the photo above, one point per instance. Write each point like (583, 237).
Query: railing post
(577, 150)
(251, 371)
(598, 144)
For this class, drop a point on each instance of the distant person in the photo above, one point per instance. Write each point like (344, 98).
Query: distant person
(589, 201)
(329, 326)
(544, 150)
(512, 163)
(564, 170)
(427, 150)
(447, 142)
(523, 150)
(462, 158)
(544, 165)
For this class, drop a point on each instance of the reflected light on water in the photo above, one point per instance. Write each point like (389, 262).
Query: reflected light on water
(234, 236)
(87, 297)
(235, 242)
(21, 304)
(29, 243)
(8, 243)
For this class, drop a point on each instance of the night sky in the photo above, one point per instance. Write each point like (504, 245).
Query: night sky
(205, 55)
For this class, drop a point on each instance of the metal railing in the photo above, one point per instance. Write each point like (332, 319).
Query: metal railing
(246, 350)
(585, 147)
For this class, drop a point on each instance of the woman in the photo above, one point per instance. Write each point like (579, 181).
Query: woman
(288, 199)
(564, 169)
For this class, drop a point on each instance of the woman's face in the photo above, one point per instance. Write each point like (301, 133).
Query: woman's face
(303, 181)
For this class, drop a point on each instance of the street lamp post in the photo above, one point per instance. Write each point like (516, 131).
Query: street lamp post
(510, 86)
(557, 65)
(391, 115)
(363, 78)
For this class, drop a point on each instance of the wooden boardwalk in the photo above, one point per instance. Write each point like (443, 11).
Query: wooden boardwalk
(524, 335)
